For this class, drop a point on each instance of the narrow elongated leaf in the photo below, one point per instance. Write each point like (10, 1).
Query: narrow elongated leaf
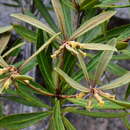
(67, 11)
(67, 124)
(115, 32)
(121, 103)
(22, 120)
(78, 76)
(107, 106)
(44, 12)
(45, 64)
(83, 66)
(31, 98)
(60, 16)
(127, 92)
(57, 117)
(2, 62)
(29, 66)
(5, 29)
(112, 6)
(117, 82)
(34, 22)
(13, 48)
(39, 50)
(124, 35)
(87, 4)
(70, 81)
(103, 61)
(116, 69)
(93, 22)
(51, 124)
(94, 46)
(100, 114)
(25, 33)
(22, 101)
(4, 41)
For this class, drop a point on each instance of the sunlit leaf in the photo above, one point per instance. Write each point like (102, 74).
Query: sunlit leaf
(4, 39)
(117, 82)
(34, 22)
(5, 29)
(83, 66)
(94, 46)
(103, 61)
(93, 22)
(70, 81)
(60, 16)
(13, 48)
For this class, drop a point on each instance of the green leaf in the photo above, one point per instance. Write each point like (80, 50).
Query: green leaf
(34, 22)
(57, 117)
(115, 32)
(103, 61)
(51, 124)
(70, 81)
(112, 6)
(78, 76)
(98, 46)
(36, 88)
(127, 92)
(22, 101)
(29, 66)
(45, 64)
(121, 103)
(39, 50)
(13, 49)
(5, 29)
(31, 98)
(4, 39)
(117, 82)
(108, 105)
(44, 12)
(67, 7)
(100, 114)
(25, 33)
(83, 66)
(60, 16)
(68, 124)
(87, 4)
(124, 35)
(116, 69)
(22, 120)
(93, 22)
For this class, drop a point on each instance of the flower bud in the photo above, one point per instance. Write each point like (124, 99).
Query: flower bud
(99, 99)
(80, 95)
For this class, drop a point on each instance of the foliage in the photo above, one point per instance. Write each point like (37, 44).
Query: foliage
(82, 43)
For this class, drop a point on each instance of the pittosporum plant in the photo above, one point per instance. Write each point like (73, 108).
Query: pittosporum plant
(77, 47)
